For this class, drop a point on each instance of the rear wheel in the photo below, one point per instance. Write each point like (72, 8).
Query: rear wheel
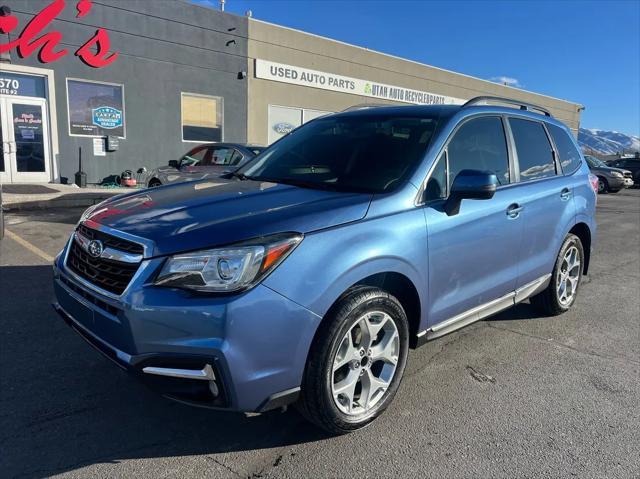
(565, 279)
(154, 183)
(356, 362)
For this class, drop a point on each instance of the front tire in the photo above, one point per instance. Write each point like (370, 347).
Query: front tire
(603, 185)
(356, 362)
(561, 293)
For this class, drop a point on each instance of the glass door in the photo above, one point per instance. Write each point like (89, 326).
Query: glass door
(26, 156)
(5, 146)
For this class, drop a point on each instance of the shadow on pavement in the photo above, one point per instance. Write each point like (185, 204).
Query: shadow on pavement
(63, 406)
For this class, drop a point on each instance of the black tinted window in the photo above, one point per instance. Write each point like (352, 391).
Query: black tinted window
(479, 144)
(371, 153)
(569, 154)
(437, 185)
(534, 151)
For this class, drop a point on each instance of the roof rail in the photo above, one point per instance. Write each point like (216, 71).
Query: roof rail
(365, 106)
(496, 99)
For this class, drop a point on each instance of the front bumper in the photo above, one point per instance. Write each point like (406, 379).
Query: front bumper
(254, 345)
(628, 182)
(616, 183)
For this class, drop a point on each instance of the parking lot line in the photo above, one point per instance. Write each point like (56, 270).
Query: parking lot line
(34, 249)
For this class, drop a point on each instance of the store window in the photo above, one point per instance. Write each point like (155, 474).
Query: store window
(95, 108)
(201, 118)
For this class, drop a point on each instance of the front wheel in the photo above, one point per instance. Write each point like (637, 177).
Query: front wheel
(603, 185)
(356, 362)
(565, 279)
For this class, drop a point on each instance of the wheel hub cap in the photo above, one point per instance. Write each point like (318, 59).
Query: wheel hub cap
(568, 276)
(365, 363)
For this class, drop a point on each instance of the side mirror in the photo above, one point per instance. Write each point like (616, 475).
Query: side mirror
(470, 185)
(174, 164)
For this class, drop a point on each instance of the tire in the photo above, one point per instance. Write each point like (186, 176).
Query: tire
(337, 414)
(154, 182)
(603, 185)
(550, 300)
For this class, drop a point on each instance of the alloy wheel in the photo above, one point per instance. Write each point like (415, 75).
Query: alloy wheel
(568, 276)
(601, 185)
(365, 363)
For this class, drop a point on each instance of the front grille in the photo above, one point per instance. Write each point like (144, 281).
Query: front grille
(111, 241)
(627, 174)
(112, 276)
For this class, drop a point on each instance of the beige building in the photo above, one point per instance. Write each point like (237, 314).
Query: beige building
(296, 76)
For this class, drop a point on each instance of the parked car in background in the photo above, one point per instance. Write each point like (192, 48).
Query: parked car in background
(204, 161)
(630, 164)
(308, 275)
(610, 180)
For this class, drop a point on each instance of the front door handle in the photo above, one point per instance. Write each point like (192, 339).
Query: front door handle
(565, 194)
(514, 210)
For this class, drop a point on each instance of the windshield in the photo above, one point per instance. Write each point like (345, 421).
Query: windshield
(594, 162)
(365, 153)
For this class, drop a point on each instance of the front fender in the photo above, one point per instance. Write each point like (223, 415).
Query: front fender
(328, 262)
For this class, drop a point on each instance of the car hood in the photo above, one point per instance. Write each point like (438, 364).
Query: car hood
(202, 214)
(609, 169)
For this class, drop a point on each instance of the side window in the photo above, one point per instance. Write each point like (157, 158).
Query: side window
(569, 155)
(195, 156)
(437, 185)
(222, 156)
(534, 151)
(479, 144)
(235, 158)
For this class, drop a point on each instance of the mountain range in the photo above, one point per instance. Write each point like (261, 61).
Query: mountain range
(607, 142)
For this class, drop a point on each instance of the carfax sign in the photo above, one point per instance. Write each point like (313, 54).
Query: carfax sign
(329, 81)
(95, 108)
(107, 117)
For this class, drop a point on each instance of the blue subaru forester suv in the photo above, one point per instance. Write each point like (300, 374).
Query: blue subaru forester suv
(306, 275)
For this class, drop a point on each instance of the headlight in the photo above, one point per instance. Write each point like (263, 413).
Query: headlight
(228, 269)
(615, 174)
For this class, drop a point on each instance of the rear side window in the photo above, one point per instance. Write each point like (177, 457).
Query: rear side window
(568, 153)
(479, 144)
(534, 150)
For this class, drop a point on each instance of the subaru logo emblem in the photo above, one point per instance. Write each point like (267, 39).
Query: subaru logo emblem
(95, 248)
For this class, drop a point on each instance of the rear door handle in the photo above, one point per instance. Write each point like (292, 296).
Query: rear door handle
(514, 210)
(565, 194)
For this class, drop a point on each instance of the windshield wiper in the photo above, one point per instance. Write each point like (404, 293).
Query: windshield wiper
(240, 176)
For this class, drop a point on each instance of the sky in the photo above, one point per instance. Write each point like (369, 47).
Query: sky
(583, 51)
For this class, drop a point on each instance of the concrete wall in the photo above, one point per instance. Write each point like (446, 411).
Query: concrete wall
(166, 47)
(283, 45)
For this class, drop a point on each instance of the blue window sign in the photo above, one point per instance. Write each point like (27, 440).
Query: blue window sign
(16, 84)
(107, 117)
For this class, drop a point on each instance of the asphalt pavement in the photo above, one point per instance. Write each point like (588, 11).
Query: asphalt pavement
(518, 395)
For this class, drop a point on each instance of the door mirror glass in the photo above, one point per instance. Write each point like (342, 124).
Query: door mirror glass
(174, 164)
(470, 185)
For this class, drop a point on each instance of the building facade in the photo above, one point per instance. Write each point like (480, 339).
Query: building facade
(141, 82)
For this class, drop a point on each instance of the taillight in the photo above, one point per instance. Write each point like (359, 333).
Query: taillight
(593, 179)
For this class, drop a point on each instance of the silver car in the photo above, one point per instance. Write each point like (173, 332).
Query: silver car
(204, 161)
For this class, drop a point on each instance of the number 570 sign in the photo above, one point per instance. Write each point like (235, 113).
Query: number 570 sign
(94, 52)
